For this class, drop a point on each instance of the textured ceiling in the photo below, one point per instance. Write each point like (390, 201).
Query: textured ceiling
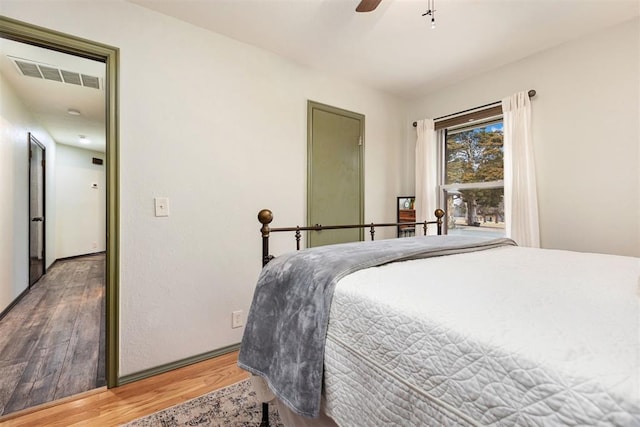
(394, 48)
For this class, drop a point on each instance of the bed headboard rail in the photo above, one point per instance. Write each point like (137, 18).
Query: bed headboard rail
(265, 216)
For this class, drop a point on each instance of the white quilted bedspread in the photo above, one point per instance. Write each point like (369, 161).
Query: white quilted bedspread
(507, 337)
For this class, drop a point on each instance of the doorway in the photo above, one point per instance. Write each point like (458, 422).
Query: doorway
(37, 226)
(335, 160)
(22, 32)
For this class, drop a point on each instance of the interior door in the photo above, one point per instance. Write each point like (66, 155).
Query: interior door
(335, 173)
(36, 210)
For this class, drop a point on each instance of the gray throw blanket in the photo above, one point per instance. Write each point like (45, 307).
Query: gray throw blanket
(284, 337)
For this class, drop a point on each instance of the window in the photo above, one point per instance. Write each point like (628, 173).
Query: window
(472, 178)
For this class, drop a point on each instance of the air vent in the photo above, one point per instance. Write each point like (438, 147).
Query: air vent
(29, 70)
(41, 71)
(73, 78)
(50, 73)
(90, 81)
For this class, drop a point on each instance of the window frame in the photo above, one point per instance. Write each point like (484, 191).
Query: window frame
(472, 120)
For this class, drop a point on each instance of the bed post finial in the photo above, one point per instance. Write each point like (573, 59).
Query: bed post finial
(439, 213)
(265, 217)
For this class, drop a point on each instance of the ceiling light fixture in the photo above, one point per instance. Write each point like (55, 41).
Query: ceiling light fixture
(73, 112)
(431, 12)
(83, 139)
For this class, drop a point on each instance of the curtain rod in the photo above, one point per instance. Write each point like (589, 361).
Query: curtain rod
(531, 94)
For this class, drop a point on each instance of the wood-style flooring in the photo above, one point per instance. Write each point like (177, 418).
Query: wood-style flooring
(116, 406)
(52, 340)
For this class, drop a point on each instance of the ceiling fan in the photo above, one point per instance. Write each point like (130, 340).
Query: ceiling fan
(367, 5)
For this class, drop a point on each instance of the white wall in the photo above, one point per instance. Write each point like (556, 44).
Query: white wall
(586, 130)
(219, 127)
(80, 207)
(15, 125)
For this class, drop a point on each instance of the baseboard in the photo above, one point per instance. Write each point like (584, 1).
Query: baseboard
(13, 303)
(126, 379)
(79, 256)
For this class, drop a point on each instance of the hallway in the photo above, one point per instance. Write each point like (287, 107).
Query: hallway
(52, 341)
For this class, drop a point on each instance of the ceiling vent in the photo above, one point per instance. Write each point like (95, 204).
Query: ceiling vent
(47, 72)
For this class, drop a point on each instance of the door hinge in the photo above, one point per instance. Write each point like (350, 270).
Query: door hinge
(360, 140)
(42, 161)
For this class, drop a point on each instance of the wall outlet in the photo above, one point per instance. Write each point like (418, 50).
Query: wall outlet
(236, 319)
(162, 206)
(94, 245)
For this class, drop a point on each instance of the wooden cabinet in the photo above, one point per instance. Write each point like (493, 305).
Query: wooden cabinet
(406, 213)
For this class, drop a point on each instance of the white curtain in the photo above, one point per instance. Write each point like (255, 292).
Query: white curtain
(426, 171)
(520, 193)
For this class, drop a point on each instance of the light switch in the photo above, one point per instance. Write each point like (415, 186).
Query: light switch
(162, 206)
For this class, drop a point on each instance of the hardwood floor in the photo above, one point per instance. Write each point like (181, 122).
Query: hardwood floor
(119, 405)
(52, 340)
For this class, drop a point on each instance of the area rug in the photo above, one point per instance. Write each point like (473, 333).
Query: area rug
(235, 405)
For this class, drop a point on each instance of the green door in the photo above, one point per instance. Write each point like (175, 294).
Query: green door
(335, 167)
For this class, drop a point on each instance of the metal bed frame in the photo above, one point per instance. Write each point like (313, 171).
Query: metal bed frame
(265, 216)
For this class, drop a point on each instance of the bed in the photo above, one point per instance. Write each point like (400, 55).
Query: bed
(444, 330)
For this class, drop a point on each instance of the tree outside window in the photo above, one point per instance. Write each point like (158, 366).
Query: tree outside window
(473, 179)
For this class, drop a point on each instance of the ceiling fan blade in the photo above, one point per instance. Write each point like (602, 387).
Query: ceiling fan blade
(367, 5)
